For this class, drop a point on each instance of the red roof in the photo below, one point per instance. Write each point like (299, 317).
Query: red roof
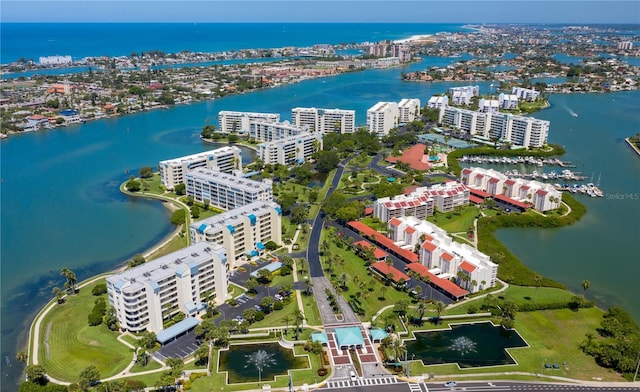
(446, 285)
(409, 189)
(414, 157)
(385, 242)
(447, 256)
(475, 199)
(466, 170)
(509, 182)
(511, 201)
(479, 192)
(386, 269)
(377, 252)
(467, 266)
(430, 246)
(394, 222)
(368, 211)
(494, 180)
(541, 192)
(410, 230)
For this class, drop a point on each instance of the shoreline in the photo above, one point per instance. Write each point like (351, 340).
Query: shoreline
(636, 149)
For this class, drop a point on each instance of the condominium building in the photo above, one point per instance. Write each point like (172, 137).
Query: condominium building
(422, 201)
(324, 120)
(242, 231)
(382, 117)
(225, 191)
(378, 50)
(402, 52)
(443, 257)
(519, 130)
(542, 197)
(488, 105)
(224, 159)
(462, 95)
(408, 110)
(508, 101)
(268, 132)
(230, 121)
(146, 296)
(290, 150)
(625, 45)
(527, 94)
(55, 60)
(437, 102)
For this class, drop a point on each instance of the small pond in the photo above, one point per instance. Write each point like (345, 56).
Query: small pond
(258, 362)
(468, 345)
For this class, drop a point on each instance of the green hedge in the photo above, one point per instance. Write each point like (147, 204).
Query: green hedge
(511, 268)
(572, 304)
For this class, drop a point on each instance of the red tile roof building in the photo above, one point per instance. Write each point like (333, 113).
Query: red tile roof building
(390, 271)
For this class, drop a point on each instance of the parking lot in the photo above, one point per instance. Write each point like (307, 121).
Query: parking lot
(182, 347)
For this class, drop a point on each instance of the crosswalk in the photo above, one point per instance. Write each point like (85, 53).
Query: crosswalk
(413, 387)
(363, 382)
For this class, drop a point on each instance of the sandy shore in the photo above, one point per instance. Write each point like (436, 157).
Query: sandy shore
(414, 38)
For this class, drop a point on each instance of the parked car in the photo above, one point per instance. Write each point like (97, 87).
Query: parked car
(258, 308)
(352, 376)
(450, 384)
(278, 297)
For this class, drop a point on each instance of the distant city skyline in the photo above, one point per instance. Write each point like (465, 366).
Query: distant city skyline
(320, 11)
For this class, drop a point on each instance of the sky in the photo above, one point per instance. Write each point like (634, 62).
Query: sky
(306, 11)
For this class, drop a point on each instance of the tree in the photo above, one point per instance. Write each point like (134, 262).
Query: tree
(249, 314)
(383, 289)
(176, 365)
(440, 307)
(71, 278)
(202, 354)
(538, 281)
(308, 284)
(398, 349)
(145, 172)
(195, 211)
(585, 285)
(36, 374)
(180, 189)
(148, 339)
(133, 185)
(233, 138)
(264, 276)
(59, 294)
(88, 377)
(251, 284)
(178, 217)
(326, 161)
(267, 304)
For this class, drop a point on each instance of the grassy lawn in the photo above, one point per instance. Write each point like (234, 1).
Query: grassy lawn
(371, 292)
(311, 312)
(277, 317)
(175, 244)
(74, 345)
(130, 339)
(151, 365)
(375, 223)
(453, 223)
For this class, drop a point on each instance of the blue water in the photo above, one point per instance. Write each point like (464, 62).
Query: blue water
(59, 188)
(32, 40)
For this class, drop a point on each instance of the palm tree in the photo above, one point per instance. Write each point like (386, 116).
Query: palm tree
(440, 307)
(382, 291)
(427, 280)
(71, 278)
(398, 349)
(585, 285)
(59, 294)
(538, 280)
(474, 283)
(287, 319)
(307, 286)
(421, 309)
(483, 283)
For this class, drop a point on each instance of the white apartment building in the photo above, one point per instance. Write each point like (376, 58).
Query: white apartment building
(519, 130)
(55, 60)
(422, 201)
(508, 101)
(462, 95)
(382, 117)
(224, 159)
(146, 296)
(290, 150)
(445, 258)
(268, 132)
(324, 120)
(625, 45)
(488, 105)
(242, 231)
(437, 102)
(408, 110)
(527, 94)
(378, 50)
(541, 196)
(226, 191)
(230, 121)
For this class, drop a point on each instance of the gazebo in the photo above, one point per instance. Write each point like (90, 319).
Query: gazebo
(320, 337)
(349, 337)
(377, 334)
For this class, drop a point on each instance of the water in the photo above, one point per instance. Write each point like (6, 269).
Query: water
(468, 345)
(253, 362)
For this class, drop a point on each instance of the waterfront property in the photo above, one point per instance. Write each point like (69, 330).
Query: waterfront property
(224, 159)
(147, 296)
(519, 130)
(467, 345)
(462, 95)
(527, 94)
(291, 149)
(382, 117)
(231, 121)
(408, 110)
(271, 131)
(324, 120)
(443, 257)
(422, 201)
(226, 191)
(438, 101)
(542, 197)
(242, 231)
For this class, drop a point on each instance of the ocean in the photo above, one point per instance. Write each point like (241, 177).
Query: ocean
(59, 188)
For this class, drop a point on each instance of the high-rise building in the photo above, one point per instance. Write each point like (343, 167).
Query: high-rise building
(408, 110)
(146, 296)
(243, 232)
(225, 191)
(382, 117)
(224, 159)
(290, 150)
(230, 121)
(268, 132)
(324, 120)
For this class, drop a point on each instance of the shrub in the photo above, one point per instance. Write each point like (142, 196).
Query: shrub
(322, 372)
(472, 309)
(278, 306)
(259, 316)
(99, 289)
(178, 217)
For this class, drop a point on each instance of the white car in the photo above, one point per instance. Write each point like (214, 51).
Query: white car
(352, 376)
(450, 384)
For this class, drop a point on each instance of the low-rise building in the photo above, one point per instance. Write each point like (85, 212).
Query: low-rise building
(225, 191)
(290, 150)
(527, 94)
(243, 232)
(224, 159)
(540, 196)
(508, 101)
(146, 296)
